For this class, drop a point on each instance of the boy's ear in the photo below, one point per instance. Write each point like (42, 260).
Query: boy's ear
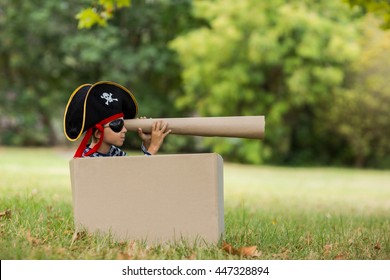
(97, 134)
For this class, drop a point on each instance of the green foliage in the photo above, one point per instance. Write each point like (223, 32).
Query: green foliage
(133, 51)
(89, 17)
(361, 113)
(377, 7)
(40, 75)
(100, 13)
(277, 58)
(296, 62)
(33, 73)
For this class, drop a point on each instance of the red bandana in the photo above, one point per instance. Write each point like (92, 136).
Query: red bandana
(88, 134)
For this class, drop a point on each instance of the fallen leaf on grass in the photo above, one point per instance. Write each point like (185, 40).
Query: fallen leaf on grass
(6, 214)
(124, 256)
(228, 248)
(250, 251)
(77, 235)
(377, 246)
(32, 240)
(247, 251)
(340, 257)
(191, 257)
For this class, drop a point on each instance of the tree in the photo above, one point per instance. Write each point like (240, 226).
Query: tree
(361, 113)
(100, 12)
(43, 63)
(279, 58)
(377, 7)
(33, 73)
(133, 50)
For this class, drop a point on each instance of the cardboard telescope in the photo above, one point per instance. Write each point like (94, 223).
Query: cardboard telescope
(251, 127)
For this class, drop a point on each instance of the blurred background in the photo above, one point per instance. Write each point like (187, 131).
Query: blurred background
(318, 70)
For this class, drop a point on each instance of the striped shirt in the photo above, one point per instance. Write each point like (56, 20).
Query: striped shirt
(114, 152)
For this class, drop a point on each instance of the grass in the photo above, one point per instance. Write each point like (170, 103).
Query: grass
(287, 213)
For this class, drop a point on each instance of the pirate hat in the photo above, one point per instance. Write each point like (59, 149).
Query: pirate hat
(93, 105)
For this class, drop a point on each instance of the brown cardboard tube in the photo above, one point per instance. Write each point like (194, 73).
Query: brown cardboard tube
(251, 127)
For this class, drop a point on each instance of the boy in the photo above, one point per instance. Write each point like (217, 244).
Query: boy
(100, 110)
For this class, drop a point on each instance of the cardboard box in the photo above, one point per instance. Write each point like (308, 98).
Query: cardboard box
(150, 198)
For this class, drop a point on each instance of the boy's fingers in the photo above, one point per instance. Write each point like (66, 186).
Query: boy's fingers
(164, 127)
(160, 126)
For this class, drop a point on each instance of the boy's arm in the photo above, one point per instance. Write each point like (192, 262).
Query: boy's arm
(145, 150)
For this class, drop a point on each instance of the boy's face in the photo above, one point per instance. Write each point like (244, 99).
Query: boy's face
(114, 138)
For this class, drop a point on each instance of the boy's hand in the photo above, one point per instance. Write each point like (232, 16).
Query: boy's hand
(145, 137)
(154, 140)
